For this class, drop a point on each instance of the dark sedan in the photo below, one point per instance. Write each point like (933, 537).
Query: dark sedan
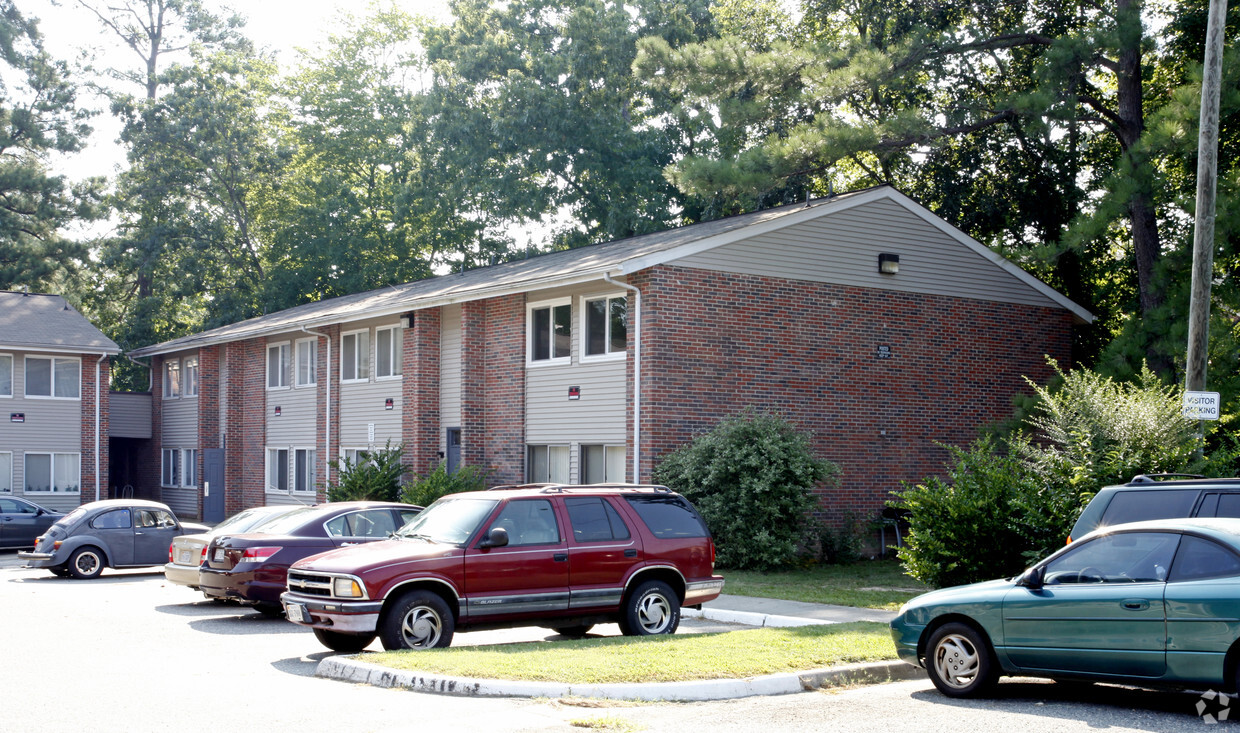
(116, 533)
(21, 522)
(253, 568)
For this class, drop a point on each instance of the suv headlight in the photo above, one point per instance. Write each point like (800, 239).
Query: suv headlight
(347, 588)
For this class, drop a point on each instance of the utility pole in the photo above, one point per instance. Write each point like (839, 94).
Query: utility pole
(1207, 177)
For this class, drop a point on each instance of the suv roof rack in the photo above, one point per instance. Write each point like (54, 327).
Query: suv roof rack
(552, 488)
(1150, 478)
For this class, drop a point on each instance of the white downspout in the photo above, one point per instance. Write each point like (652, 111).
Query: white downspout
(327, 428)
(637, 375)
(98, 397)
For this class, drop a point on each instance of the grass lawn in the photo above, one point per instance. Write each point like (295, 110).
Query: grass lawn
(733, 655)
(865, 584)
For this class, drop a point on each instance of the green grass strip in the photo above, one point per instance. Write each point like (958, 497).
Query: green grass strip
(732, 655)
(866, 584)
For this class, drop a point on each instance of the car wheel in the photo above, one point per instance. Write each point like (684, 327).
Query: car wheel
(418, 620)
(652, 609)
(270, 610)
(346, 643)
(86, 563)
(575, 632)
(60, 571)
(959, 661)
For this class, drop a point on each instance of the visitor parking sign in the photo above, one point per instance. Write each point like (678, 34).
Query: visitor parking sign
(1201, 405)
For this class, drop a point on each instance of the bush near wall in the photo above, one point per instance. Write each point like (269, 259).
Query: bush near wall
(752, 479)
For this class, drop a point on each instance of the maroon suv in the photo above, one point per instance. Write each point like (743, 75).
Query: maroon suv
(564, 557)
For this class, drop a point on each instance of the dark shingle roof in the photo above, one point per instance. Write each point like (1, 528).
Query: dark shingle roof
(40, 322)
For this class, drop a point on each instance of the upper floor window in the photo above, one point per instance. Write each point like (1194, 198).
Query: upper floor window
(279, 366)
(307, 362)
(388, 343)
(58, 377)
(606, 326)
(355, 356)
(551, 332)
(172, 378)
(6, 375)
(189, 376)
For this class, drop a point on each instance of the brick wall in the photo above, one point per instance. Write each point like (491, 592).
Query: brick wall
(150, 463)
(420, 393)
(246, 425)
(91, 448)
(493, 387)
(717, 342)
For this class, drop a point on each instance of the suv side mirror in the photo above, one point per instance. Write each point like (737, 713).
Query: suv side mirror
(497, 537)
(1032, 578)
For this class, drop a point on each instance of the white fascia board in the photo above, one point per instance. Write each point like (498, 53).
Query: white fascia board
(45, 349)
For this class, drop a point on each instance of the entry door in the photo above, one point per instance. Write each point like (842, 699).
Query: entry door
(213, 485)
(454, 449)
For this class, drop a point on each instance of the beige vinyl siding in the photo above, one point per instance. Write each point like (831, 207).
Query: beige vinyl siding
(129, 415)
(297, 423)
(449, 372)
(50, 426)
(843, 249)
(180, 424)
(362, 404)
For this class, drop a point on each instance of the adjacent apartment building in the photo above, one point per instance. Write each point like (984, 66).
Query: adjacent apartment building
(862, 317)
(54, 402)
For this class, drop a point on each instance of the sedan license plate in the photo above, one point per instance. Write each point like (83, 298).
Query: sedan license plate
(296, 612)
(219, 554)
(184, 558)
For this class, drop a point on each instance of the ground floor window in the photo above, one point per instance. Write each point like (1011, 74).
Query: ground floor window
(290, 469)
(547, 464)
(48, 473)
(602, 464)
(6, 472)
(180, 468)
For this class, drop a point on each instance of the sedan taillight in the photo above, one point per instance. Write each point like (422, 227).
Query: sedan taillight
(170, 553)
(258, 554)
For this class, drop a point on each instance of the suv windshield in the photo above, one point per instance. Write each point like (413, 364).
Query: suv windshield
(450, 521)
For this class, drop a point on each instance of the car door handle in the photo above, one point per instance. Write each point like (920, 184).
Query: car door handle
(560, 557)
(1135, 604)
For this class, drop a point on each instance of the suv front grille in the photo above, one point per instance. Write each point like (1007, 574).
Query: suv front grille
(310, 584)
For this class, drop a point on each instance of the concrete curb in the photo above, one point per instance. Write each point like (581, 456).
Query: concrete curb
(749, 618)
(350, 669)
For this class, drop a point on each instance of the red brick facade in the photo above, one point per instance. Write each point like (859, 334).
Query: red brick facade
(493, 387)
(879, 377)
(90, 450)
(420, 392)
(245, 427)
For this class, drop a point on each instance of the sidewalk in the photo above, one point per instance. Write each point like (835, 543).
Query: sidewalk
(728, 609)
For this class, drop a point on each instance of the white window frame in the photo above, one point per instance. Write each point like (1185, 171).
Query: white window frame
(352, 455)
(189, 468)
(614, 455)
(552, 305)
(6, 477)
(291, 461)
(310, 375)
(172, 379)
(6, 391)
(170, 462)
(584, 309)
(54, 381)
(190, 376)
(360, 361)
(284, 352)
(562, 452)
(395, 349)
(77, 459)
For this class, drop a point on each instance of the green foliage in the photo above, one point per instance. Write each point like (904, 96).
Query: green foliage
(752, 479)
(426, 489)
(376, 476)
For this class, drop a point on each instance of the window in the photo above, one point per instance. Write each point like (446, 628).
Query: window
(307, 362)
(547, 464)
(668, 517)
(189, 467)
(279, 366)
(551, 332)
(1199, 558)
(529, 522)
(354, 456)
(602, 464)
(6, 375)
(595, 520)
(6, 473)
(355, 356)
(172, 379)
(290, 469)
(116, 519)
(189, 376)
(56, 377)
(606, 326)
(1136, 506)
(367, 523)
(1126, 557)
(388, 344)
(171, 472)
(48, 473)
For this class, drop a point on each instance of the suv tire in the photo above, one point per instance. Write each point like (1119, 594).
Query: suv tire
(417, 620)
(651, 609)
(344, 643)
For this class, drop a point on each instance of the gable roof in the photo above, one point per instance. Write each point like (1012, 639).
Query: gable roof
(583, 264)
(40, 322)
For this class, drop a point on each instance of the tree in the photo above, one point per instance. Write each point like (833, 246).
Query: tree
(39, 119)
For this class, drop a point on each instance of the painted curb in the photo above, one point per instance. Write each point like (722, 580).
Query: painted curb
(350, 669)
(749, 618)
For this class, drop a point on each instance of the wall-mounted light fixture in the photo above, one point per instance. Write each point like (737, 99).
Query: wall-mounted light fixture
(888, 264)
(406, 320)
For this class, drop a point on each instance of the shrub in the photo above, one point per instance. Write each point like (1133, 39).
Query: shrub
(752, 479)
(426, 489)
(376, 476)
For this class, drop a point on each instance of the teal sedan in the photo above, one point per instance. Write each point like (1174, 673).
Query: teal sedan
(1150, 603)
